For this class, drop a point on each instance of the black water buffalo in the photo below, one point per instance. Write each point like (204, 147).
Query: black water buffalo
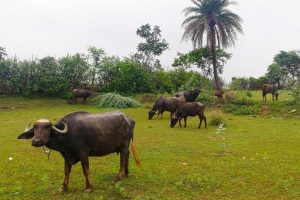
(268, 88)
(80, 134)
(189, 109)
(190, 96)
(81, 93)
(163, 104)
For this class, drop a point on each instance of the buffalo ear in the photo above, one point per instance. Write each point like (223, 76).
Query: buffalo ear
(26, 135)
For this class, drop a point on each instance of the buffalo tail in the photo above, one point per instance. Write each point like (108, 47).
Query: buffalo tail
(136, 158)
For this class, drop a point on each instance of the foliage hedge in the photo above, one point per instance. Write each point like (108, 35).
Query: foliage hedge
(113, 100)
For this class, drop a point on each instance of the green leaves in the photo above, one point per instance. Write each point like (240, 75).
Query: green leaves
(152, 47)
(113, 100)
(202, 58)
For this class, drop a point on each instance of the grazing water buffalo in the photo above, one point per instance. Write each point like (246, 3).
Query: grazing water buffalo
(268, 88)
(81, 93)
(163, 104)
(189, 109)
(80, 134)
(190, 96)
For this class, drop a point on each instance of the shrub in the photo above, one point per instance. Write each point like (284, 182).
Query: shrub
(206, 98)
(229, 97)
(296, 95)
(242, 99)
(113, 100)
(217, 118)
(242, 109)
(248, 94)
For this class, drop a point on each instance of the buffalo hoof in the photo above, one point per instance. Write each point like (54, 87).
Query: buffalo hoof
(119, 178)
(63, 188)
(88, 190)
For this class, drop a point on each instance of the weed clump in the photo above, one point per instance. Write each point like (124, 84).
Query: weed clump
(113, 100)
(217, 118)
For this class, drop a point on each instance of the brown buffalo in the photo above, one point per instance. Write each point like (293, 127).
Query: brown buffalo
(268, 88)
(81, 93)
(186, 110)
(163, 104)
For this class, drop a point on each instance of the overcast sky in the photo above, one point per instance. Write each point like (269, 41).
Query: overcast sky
(37, 28)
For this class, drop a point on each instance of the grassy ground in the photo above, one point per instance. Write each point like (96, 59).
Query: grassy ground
(262, 159)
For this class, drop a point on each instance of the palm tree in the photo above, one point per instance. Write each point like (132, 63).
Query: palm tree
(211, 18)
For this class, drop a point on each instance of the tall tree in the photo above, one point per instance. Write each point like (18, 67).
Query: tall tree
(95, 56)
(211, 18)
(274, 74)
(152, 47)
(289, 62)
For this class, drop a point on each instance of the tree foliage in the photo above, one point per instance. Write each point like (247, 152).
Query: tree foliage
(251, 83)
(153, 46)
(202, 58)
(274, 74)
(289, 63)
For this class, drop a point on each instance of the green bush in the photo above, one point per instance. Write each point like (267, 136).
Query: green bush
(248, 94)
(113, 100)
(206, 98)
(216, 118)
(241, 103)
(242, 99)
(242, 109)
(296, 95)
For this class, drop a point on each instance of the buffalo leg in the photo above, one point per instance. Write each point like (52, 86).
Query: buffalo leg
(272, 96)
(201, 118)
(180, 121)
(126, 164)
(184, 122)
(264, 94)
(86, 172)
(121, 173)
(68, 167)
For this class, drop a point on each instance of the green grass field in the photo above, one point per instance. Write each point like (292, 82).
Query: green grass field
(262, 159)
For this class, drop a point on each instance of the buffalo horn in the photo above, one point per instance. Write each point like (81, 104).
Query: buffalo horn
(61, 131)
(28, 127)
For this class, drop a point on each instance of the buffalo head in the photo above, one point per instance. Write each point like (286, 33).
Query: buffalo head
(41, 132)
(151, 113)
(174, 120)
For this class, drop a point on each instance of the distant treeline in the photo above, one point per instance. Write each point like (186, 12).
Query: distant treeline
(284, 72)
(56, 77)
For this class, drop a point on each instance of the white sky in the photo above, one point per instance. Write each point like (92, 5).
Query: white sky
(37, 28)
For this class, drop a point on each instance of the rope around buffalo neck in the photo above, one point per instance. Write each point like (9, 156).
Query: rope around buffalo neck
(47, 152)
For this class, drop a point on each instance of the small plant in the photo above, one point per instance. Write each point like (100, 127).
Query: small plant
(296, 95)
(221, 131)
(206, 98)
(229, 97)
(248, 94)
(242, 109)
(113, 100)
(216, 118)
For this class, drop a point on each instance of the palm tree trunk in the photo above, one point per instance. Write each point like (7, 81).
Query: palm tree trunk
(214, 58)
